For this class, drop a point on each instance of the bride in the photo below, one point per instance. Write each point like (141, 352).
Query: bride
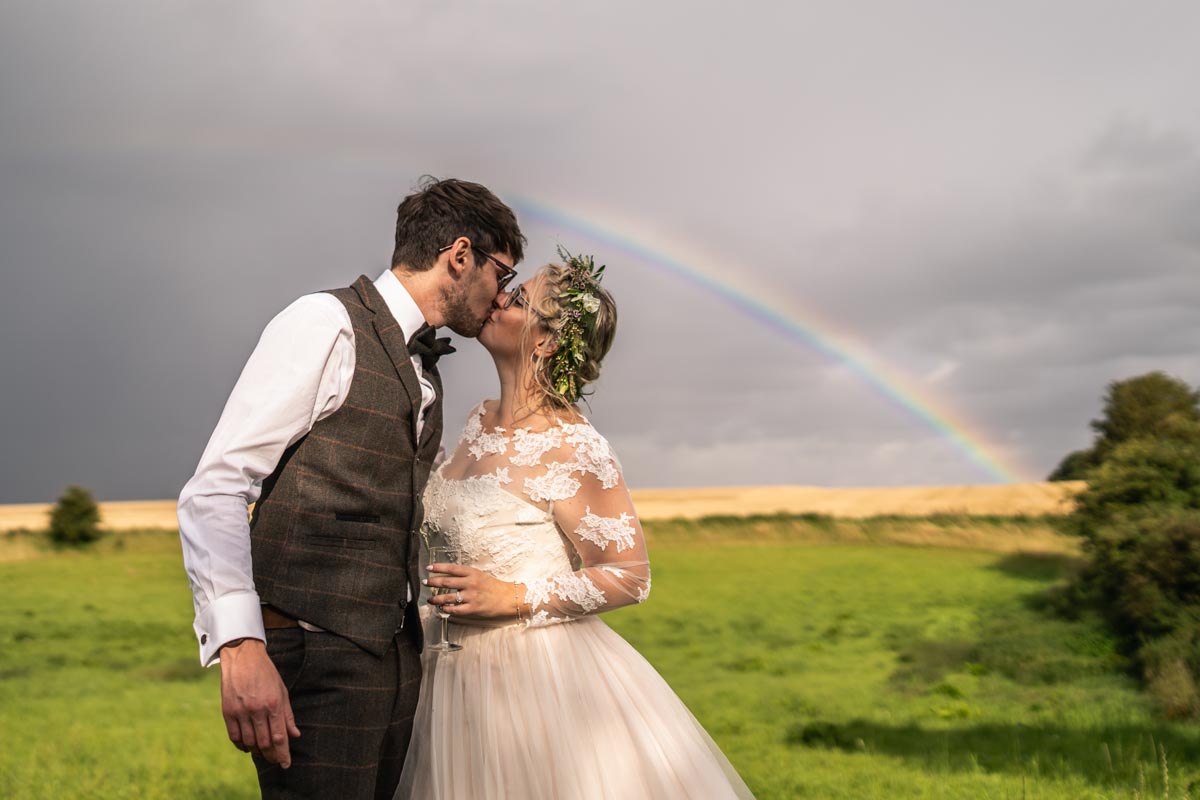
(544, 700)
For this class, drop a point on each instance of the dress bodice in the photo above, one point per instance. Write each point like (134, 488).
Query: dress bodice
(547, 509)
(497, 532)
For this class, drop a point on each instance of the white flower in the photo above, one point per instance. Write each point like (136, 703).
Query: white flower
(589, 302)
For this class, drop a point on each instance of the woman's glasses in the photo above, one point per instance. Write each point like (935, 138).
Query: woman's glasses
(517, 297)
(520, 298)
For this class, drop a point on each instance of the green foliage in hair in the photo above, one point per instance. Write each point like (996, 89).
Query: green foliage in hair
(580, 305)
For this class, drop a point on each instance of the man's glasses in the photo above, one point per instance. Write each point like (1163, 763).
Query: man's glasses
(507, 273)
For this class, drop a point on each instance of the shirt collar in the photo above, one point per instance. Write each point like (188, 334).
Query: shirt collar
(400, 303)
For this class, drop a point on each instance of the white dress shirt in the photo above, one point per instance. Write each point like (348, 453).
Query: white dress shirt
(298, 374)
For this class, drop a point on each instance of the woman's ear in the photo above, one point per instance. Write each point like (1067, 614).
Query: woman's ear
(546, 346)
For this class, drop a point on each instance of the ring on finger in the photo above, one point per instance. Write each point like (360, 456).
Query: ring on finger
(458, 598)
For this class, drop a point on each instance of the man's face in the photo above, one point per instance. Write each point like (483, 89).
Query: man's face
(469, 302)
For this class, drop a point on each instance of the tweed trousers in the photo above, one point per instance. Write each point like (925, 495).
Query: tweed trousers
(354, 711)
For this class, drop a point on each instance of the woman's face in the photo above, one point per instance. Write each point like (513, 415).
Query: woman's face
(505, 327)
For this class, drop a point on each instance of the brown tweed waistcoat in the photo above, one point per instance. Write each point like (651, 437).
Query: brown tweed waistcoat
(333, 534)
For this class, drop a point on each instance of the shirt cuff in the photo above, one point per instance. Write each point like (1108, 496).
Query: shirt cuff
(232, 616)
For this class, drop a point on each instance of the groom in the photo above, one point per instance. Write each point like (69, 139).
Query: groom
(332, 428)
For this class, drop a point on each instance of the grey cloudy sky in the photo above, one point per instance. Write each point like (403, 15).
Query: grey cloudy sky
(999, 202)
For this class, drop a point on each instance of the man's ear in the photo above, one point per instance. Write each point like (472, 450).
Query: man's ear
(458, 257)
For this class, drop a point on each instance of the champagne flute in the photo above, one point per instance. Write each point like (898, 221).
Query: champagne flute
(444, 555)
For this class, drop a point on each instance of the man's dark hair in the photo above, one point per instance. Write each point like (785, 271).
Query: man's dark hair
(442, 210)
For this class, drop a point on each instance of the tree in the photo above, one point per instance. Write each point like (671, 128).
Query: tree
(75, 519)
(1075, 466)
(1144, 577)
(1143, 476)
(1140, 521)
(1146, 406)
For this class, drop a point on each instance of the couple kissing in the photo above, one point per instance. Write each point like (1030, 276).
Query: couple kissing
(388, 626)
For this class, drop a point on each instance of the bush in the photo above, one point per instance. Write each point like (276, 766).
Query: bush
(1146, 569)
(75, 520)
(1144, 577)
(1169, 666)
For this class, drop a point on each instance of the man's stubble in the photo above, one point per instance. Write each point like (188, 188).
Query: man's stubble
(458, 313)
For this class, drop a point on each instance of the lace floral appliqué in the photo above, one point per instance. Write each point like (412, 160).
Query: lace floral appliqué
(644, 593)
(479, 443)
(593, 454)
(555, 484)
(542, 618)
(459, 510)
(569, 587)
(532, 445)
(602, 530)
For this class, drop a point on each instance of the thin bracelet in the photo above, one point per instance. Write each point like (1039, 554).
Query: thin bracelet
(517, 601)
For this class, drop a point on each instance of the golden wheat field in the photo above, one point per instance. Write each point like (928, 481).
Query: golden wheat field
(1030, 499)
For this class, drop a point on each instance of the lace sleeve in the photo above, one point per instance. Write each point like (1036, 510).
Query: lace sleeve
(593, 509)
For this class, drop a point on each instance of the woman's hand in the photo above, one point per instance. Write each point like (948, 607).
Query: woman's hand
(476, 593)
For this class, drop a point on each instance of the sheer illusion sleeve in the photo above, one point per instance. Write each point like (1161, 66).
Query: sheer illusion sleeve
(592, 508)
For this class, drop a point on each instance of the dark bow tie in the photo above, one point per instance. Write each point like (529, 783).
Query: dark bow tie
(425, 344)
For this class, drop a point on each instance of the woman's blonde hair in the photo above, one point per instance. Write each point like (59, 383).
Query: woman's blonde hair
(596, 333)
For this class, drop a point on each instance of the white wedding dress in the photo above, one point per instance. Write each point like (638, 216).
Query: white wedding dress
(556, 707)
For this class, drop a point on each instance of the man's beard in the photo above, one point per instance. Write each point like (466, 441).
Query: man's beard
(458, 314)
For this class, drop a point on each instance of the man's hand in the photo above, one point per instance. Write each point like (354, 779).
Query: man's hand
(254, 702)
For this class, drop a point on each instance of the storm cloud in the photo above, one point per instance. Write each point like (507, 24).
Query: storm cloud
(1001, 204)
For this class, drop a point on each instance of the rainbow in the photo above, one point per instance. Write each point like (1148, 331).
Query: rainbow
(804, 327)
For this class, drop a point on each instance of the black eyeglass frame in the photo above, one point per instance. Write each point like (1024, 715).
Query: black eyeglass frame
(519, 297)
(507, 273)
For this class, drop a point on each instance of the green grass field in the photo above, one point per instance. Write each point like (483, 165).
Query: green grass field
(825, 669)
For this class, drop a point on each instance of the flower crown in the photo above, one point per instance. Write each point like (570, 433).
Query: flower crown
(579, 304)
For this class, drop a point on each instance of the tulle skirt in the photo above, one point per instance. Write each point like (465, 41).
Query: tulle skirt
(565, 712)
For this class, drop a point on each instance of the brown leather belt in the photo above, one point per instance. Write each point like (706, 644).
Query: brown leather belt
(273, 620)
